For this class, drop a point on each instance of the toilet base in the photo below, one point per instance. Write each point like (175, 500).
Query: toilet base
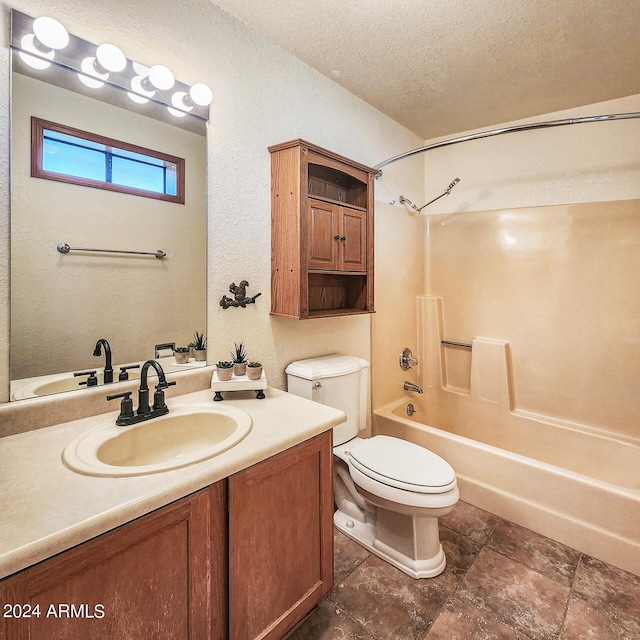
(364, 533)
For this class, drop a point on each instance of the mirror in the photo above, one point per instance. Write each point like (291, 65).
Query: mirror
(62, 303)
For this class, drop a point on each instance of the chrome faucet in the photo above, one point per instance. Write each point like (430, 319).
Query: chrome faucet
(409, 386)
(108, 368)
(144, 412)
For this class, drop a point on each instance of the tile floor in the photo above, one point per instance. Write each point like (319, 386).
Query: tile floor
(501, 582)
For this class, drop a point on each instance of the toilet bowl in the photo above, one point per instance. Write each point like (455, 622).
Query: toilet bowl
(389, 493)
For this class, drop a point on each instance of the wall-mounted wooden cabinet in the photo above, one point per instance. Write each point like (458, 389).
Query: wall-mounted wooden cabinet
(321, 232)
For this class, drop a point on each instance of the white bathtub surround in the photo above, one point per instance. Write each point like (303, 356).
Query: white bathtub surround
(571, 482)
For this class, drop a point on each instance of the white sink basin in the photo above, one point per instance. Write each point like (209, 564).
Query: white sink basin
(184, 436)
(57, 383)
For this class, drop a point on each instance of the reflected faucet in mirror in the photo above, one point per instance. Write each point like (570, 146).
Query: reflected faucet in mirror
(108, 368)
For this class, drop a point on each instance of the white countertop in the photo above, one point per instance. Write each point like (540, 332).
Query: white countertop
(46, 508)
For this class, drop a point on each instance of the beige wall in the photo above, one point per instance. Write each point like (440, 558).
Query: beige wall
(263, 96)
(400, 278)
(592, 162)
(512, 259)
(61, 304)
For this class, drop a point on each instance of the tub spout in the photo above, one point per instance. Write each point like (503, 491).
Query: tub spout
(409, 386)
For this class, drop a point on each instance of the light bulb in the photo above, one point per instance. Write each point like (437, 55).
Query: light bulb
(137, 86)
(176, 112)
(50, 34)
(179, 100)
(27, 43)
(161, 77)
(136, 98)
(89, 68)
(110, 58)
(201, 94)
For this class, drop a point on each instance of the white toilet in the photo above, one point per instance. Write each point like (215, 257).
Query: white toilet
(389, 493)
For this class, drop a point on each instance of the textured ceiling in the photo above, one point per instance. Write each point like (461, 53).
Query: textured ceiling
(444, 66)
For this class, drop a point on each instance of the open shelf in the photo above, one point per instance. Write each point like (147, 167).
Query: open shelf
(339, 293)
(337, 186)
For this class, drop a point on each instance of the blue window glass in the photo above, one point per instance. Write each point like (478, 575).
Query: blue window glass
(93, 160)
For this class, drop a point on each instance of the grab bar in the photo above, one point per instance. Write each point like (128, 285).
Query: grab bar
(451, 343)
(63, 247)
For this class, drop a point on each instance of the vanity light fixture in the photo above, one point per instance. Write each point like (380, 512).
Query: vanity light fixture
(48, 35)
(90, 76)
(199, 95)
(39, 43)
(159, 77)
(109, 58)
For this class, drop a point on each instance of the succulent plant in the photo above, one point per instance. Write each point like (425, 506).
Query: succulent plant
(240, 354)
(199, 341)
(181, 350)
(254, 365)
(224, 365)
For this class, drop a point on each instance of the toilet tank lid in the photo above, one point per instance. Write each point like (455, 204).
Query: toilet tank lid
(329, 366)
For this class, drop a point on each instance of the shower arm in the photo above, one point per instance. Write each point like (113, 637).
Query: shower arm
(498, 132)
(442, 195)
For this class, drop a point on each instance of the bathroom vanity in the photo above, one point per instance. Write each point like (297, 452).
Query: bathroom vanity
(237, 546)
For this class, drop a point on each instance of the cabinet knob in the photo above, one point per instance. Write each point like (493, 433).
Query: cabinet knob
(336, 237)
(343, 238)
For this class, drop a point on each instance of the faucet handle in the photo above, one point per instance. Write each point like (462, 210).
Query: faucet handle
(407, 360)
(126, 406)
(124, 375)
(91, 381)
(158, 397)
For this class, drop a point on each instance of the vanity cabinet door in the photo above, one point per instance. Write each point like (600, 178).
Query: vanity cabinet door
(280, 540)
(149, 580)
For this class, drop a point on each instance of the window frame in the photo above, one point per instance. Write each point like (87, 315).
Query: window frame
(38, 127)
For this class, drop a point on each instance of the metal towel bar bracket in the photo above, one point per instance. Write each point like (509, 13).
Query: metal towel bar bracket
(452, 343)
(63, 247)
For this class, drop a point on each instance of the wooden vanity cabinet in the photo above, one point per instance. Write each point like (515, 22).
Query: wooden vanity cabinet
(321, 232)
(246, 558)
(160, 576)
(280, 540)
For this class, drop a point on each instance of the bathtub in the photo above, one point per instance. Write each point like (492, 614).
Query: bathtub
(573, 485)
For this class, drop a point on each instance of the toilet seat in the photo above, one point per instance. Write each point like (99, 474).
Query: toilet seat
(402, 465)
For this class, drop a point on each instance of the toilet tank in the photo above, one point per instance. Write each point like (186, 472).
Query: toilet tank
(337, 381)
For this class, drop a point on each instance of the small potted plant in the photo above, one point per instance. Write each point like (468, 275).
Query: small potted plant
(199, 345)
(254, 370)
(225, 370)
(239, 359)
(181, 354)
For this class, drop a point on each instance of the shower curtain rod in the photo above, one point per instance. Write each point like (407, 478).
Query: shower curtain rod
(512, 129)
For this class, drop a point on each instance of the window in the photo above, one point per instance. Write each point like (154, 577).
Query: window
(78, 157)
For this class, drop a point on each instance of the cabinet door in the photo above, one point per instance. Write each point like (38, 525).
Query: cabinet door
(353, 240)
(147, 580)
(322, 229)
(280, 540)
